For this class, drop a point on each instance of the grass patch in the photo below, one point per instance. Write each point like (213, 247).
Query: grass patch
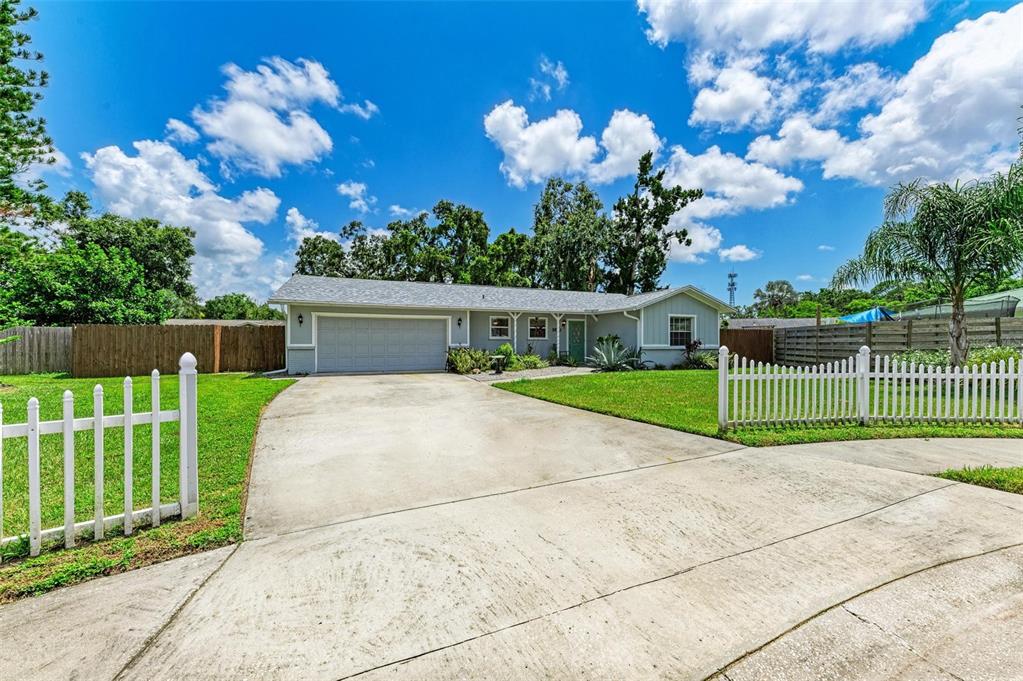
(1005, 479)
(687, 401)
(228, 413)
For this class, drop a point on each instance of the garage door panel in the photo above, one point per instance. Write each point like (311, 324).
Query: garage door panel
(380, 344)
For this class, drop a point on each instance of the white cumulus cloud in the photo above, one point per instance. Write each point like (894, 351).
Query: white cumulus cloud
(358, 195)
(264, 124)
(300, 227)
(158, 181)
(953, 115)
(821, 25)
(535, 151)
(179, 131)
(738, 253)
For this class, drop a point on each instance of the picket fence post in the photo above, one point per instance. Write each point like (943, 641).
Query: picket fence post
(723, 387)
(863, 383)
(188, 467)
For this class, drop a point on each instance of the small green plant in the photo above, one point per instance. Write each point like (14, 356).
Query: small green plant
(694, 358)
(508, 351)
(976, 356)
(611, 355)
(467, 360)
(531, 361)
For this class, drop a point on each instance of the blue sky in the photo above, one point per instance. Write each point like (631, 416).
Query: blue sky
(792, 118)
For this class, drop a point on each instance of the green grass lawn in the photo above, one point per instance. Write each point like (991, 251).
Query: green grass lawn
(687, 401)
(228, 412)
(1005, 479)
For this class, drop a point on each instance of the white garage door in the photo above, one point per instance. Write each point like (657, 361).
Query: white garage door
(380, 344)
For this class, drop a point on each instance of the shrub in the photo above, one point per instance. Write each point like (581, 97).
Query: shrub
(981, 355)
(508, 351)
(531, 362)
(611, 355)
(700, 360)
(694, 358)
(467, 360)
(995, 354)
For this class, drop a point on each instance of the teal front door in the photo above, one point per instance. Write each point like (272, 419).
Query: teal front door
(577, 340)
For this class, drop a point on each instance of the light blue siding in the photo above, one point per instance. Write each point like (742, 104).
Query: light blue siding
(655, 321)
(300, 361)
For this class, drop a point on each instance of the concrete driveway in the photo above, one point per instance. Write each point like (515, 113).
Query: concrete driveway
(430, 527)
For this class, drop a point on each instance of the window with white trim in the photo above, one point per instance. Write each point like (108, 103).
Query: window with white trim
(680, 330)
(500, 327)
(537, 328)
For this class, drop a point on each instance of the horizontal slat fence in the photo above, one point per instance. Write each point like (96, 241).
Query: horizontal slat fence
(755, 344)
(107, 350)
(834, 342)
(861, 389)
(39, 349)
(188, 475)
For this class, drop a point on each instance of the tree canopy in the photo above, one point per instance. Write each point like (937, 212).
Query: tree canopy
(951, 234)
(238, 306)
(23, 139)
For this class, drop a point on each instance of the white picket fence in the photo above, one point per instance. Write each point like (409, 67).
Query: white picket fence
(188, 475)
(849, 391)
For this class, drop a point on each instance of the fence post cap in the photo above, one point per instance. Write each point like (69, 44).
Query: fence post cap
(187, 362)
(155, 373)
(723, 350)
(864, 350)
(98, 390)
(127, 380)
(68, 396)
(33, 402)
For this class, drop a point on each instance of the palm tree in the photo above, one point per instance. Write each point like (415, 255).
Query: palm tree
(949, 234)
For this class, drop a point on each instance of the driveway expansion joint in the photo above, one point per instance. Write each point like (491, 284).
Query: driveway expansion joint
(903, 642)
(150, 640)
(518, 490)
(683, 571)
(872, 589)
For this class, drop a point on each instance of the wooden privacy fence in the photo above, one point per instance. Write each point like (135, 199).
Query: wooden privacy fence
(848, 391)
(755, 344)
(834, 342)
(106, 350)
(188, 470)
(39, 349)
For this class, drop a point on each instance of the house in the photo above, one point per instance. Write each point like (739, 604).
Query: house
(363, 325)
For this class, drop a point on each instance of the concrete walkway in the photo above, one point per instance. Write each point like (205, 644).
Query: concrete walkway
(429, 527)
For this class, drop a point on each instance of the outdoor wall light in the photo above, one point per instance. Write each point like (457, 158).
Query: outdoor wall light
(562, 323)
(459, 322)
(300, 319)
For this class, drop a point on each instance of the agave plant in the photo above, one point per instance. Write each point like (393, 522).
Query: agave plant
(611, 355)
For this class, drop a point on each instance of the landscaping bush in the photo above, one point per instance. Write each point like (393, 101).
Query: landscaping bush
(508, 351)
(530, 361)
(694, 358)
(611, 355)
(981, 355)
(467, 360)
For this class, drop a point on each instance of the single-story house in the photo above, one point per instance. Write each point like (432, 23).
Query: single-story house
(363, 325)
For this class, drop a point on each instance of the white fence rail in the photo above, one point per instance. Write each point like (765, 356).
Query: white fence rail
(188, 501)
(858, 390)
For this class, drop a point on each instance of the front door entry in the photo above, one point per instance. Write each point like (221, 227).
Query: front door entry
(577, 340)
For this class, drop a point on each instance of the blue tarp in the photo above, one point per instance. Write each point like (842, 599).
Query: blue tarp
(876, 314)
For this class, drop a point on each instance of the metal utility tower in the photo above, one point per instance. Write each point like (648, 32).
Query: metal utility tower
(731, 288)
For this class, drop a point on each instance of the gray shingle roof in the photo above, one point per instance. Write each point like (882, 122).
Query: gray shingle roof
(374, 292)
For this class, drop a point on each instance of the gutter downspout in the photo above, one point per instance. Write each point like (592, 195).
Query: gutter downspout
(639, 329)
